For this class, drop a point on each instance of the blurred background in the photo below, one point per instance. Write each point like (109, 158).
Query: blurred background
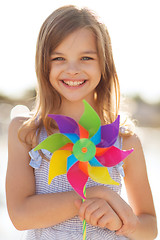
(135, 35)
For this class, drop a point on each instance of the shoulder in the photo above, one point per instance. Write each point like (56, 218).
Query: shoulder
(16, 146)
(18, 131)
(136, 158)
(15, 124)
(131, 141)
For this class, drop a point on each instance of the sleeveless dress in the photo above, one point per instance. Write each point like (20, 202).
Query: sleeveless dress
(71, 229)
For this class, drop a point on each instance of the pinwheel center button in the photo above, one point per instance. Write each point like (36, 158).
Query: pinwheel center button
(84, 150)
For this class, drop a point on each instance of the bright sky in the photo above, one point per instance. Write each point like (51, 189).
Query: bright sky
(134, 27)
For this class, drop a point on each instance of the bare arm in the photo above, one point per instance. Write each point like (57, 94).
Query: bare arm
(139, 192)
(27, 210)
(136, 221)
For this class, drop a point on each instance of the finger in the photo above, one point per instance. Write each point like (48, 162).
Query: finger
(93, 212)
(83, 207)
(110, 221)
(96, 216)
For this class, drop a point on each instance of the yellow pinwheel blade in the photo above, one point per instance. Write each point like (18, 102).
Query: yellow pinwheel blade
(101, 175)
(58, 164)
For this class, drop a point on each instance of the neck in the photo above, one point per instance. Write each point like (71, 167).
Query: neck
(75, 109)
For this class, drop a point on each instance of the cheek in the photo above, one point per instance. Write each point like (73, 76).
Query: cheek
(93, 69)
(52, 78)
(97, 72)
(54, 72)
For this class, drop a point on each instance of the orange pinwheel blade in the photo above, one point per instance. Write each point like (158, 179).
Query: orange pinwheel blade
(101, 151)
(84, 167)
(68, 146)
(83, 132)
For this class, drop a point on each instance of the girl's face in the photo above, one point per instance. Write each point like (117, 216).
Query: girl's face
(74, 67)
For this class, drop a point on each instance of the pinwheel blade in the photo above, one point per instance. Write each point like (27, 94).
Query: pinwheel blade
(84, 167)
(95, 163)
(53, 142)
(71, 161)
(109, 133)
(72, 136)
(65, 124)
(113, 156)
(58, 164)
(90, 120)
(101, 151)
(101, 175)
(68, 146)
(77, 179)
(96, 139)
(83, 132)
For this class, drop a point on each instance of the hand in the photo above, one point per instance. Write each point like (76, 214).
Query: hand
(129, 220)
(130, 223)
(98, 212)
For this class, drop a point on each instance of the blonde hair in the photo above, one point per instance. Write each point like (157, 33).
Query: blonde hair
(56, 27)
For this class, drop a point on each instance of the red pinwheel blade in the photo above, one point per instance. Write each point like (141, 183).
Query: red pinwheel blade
(113, 156)
(77, 179)
(68, 146)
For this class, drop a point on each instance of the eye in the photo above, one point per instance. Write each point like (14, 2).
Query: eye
(85, 58)
(58, 59)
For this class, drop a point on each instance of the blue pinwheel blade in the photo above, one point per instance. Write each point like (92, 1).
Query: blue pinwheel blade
(71, 160)
(73, 137)
(96, 139)
(95, 163)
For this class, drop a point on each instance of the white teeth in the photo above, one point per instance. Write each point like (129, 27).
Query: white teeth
(73, 83)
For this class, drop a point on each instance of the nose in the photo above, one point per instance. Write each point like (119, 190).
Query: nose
(72, 68)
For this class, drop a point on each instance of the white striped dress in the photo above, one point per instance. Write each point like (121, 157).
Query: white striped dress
(72, 228)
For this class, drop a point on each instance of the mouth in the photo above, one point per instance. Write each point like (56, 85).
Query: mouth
(73, 83)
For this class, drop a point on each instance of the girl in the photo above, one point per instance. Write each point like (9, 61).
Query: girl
(74, 62)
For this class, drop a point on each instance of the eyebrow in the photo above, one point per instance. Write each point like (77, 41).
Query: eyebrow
(89, 52)
(85, 52)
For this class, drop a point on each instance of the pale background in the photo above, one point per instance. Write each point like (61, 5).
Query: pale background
(133, 25)
(134, 29)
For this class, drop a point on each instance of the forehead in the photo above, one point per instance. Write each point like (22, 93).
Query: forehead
(81, 39)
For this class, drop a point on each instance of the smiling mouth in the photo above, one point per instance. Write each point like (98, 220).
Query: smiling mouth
(74, 83)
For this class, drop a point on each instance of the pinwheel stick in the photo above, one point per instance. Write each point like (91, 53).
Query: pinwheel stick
(84, 221)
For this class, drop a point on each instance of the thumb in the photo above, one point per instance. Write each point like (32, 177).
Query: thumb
(78, 203)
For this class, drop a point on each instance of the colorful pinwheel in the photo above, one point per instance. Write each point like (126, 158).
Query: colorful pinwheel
(83, 149)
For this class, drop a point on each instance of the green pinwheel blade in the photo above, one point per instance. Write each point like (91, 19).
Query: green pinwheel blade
(53, 142)
(90, 120)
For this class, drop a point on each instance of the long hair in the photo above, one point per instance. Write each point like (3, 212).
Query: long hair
(56, 27)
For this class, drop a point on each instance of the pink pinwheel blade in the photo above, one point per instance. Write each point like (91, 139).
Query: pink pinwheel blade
(109, 133)
(113, 156)
(66, 124)
(77, 179)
